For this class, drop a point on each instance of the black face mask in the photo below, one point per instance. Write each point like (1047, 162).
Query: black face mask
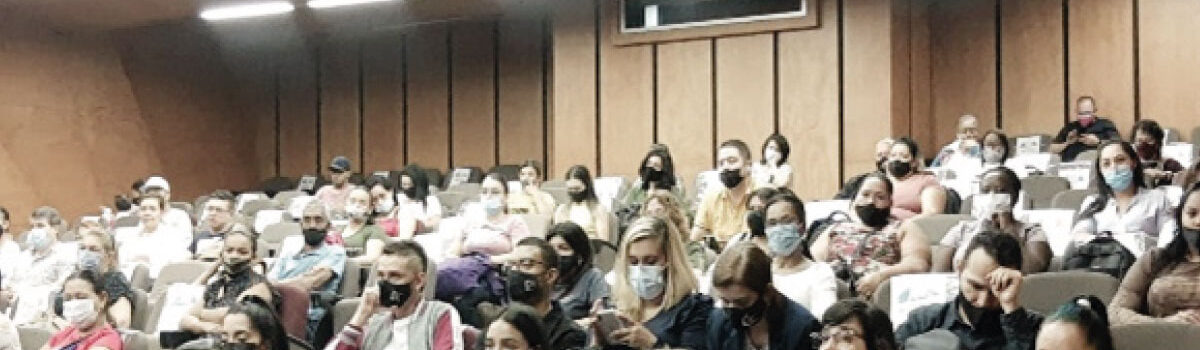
(731, 178)
(577, 197)
(754, 220)
(652, 175)
(980, 318)
(747, 317)
(1192, 237)
(394, 295)
(236, 266)
(523, 287)
(411, 192)
(238, 346)
(873, 216)
(314, 236)
(567, 264)
(899, 169)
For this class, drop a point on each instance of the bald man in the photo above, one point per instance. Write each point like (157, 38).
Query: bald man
(966, 143)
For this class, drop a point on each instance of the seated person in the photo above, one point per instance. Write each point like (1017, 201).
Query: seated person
(882, 149)
(84, 303)
(394, 315)
(152, 243)
(579, 284)
(993, 212)
(965, 147)
(386, 213)
(873, 246)
(655, 292)
(415, 200)
(754, 315)
(1124, 204)
(531, 199)
(9, 248)
(177, 220)
(773, 170)
(1080, 324)
(227, 283)
(517, 328)
(10, 339)
(853, 324)
(756, 204)
(98, 254)
(584, 209)
(362, 239)
(987, 313)
(1086, 132)
(533, 275)
(42, 268)
(1148, 140)
(495, 234)
(1190, 176)
(252, 324)
(916, 192)
(1161, 284)
(996, 149)
(218, 221)
(333, 195)
(656, 173)
(316, 267)
(809, 283)
(667, 207)
(722, 212)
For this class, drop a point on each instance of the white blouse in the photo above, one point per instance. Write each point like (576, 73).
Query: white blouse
(815, 288)
(1149, 213)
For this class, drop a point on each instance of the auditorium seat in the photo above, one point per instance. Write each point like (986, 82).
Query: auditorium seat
(1195, 138)
(285, 197)
(135, 340)
(559, 193)
(252, 207)
(274, 185)
(468, 190)
(140, 278)
(511, 172)
(266, 217)
(126, 221)
(177, 272)
(1156, 336)
(293, 311)
(273, 235)
(353, 279)
(141, 310)
(1044, 292)
(1069, 199)
(555, 183)
(1088, 155)
(935, 226)
(34, 337)
(451, 201)
(1040, 190)
(343, 311)
(883, 296)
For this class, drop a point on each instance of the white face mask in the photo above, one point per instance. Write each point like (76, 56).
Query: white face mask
(356, 211)
(385, 205)
(80, 312)
(38, 239)
(647, 280)
(984, 205)
(771, 156)
(993, 155)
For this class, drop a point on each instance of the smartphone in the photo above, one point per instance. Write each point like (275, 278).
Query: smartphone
(607, 322)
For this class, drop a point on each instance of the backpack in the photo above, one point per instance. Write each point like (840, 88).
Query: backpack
(1103, 254)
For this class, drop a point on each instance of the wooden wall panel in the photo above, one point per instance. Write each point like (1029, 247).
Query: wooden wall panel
(473, 108)
(1032, 66)
(522, 98)
(574, 85)
(685, 113)
(428, 97)
(1100, 57)
(964, 52)
(383, 102)
(1169, 60)
(746, 89)
(339, 94)
(867, 95)
(920, 74)
(808, 109)
(298, 111)
(626, 104)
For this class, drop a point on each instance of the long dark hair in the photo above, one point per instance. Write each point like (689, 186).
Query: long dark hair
(877, 326)
(420, 182)
(576, 238)
(263, 319)
(667, 181)
(526, 320)
(781, 145)
(1089, 313)
(797, 211)
(1104, 191)
(1003, 141)
(1176, 251)
(581, 173)
(745, 264)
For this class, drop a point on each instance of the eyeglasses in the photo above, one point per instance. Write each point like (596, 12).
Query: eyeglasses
(527, 264)
(835, 335)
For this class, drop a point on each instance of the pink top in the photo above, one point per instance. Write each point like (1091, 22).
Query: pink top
(104, 337)
(906, 194)
(494, 238)
(333, 197)
(390, 226)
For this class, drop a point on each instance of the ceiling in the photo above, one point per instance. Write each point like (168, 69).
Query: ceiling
(104, 15)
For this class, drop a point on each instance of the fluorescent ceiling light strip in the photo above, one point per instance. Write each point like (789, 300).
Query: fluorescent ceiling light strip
(243, 11)
(323, 4)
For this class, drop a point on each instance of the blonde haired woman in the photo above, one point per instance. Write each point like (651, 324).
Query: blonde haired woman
(655, 291)
(665, 205)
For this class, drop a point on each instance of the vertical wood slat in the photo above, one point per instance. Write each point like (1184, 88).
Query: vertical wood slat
(685, 80)
(473, 95)
(574, 86)
(521, 83)
(1169, 69)
(428, 97)
(808, 109)
(964, 54)
(1100, 57)
(1032, 66)
(298, 110)
(339, 111)
(383, 109)
(626, 103)
(745, 89)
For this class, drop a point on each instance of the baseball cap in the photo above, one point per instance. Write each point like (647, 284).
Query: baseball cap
(340, 164)
(156, 181)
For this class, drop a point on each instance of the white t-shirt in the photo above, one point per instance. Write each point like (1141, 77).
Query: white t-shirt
(155, 250)
(431, 209)
(815, 287)
(178, 220)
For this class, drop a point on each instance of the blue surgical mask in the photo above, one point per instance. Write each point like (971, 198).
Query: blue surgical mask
(493, 206)
(783, 239)
(38, 239)
(89, 260)
(647, 280)
(1120, 178)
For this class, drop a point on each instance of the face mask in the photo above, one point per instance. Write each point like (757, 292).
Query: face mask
(972, 149)
(384, 206)
(238, 346)
(1086, 120)
(577, 197)
(783, 240)
(523, 287)
(731, 178)
(567, 264)
(411, 192)
(89, 260)
(492, 206)
(1146, 150)
(647, 280)
(394, 295)
(314, 236)
(1192, 237)
(754, 221)
(38, 239)
(873, 216)
(899, 168)
(984, 205)
(743, 319)
(80, 312)
(356, 211)
(1120, 178)
(234, 266)
(993, 155)
(771, 156)
(980, 318)
(652, 175)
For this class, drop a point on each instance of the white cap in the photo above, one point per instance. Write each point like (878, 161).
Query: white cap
(156, 181)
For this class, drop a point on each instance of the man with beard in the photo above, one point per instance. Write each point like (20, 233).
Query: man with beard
(316, 267)
(533, 275)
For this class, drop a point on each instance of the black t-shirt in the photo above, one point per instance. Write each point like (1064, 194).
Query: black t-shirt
(1102, 128)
